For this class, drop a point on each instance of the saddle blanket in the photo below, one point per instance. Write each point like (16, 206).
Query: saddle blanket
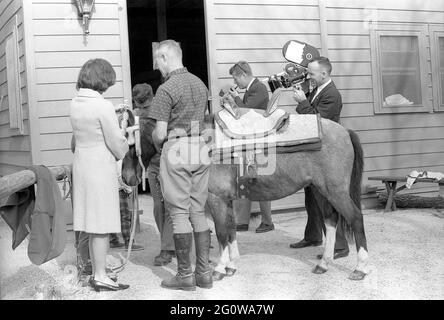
(299, 129)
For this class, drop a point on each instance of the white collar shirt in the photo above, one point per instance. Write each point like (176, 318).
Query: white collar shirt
(249, 85)
(320, 88)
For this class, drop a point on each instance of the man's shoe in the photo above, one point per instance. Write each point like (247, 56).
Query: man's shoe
(265, 227)
(242, 227)
(338, 254)
(164, 257)
(180, 282)
(116, 244)
(304, 243)
(135, 247)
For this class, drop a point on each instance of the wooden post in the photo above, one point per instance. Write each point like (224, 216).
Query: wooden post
(12, 183)
(161, 20)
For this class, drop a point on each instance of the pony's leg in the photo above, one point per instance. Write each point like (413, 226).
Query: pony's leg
(347, 208)
(330, 238)
(234, 256)
(361, 246)
(222, 212)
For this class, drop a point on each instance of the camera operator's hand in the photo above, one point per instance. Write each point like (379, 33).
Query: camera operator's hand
(233, 92)
(299, 95)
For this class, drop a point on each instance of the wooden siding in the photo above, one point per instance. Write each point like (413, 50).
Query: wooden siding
(60, 50)
(15, 150)
(256, 31)
(393, 143)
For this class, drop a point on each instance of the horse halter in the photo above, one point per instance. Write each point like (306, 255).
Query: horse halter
(133, 133)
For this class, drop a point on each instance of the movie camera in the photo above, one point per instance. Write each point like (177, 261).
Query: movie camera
(299, 54)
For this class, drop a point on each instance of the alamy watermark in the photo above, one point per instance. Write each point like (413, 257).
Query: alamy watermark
(199, 147)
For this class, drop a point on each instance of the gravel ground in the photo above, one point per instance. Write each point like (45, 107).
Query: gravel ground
(406, 251)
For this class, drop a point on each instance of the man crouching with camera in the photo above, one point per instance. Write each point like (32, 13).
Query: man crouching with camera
(327, 101)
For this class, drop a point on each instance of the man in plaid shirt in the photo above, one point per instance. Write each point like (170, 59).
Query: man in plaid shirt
(179, 108)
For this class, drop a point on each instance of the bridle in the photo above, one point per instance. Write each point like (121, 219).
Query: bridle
(133, 135)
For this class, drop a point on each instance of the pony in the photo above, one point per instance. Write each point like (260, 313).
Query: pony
(335, 171)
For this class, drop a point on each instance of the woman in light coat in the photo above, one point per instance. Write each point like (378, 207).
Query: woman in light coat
(99, 143)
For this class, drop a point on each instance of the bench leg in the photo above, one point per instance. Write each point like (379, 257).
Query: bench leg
(391, 190)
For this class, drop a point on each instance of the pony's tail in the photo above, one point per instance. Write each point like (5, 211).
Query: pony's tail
(355, 183)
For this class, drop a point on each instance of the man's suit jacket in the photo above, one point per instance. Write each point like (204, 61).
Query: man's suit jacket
(255, 98)
(328, 103)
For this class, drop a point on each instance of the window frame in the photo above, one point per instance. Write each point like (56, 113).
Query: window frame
(420, 31)
(436, 32)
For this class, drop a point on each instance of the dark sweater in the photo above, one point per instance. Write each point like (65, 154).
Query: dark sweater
(256, 97)
(328, 103)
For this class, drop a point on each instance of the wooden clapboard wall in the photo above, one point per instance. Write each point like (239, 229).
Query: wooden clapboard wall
(59, 50)
(15, 148)
(256, 31)
(394, 144)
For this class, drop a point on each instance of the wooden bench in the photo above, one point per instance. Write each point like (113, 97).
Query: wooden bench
(391, 182)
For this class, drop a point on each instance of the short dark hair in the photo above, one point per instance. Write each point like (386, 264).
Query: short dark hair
(96, 74)
(142, 92)
(323, 61)
(241, 67)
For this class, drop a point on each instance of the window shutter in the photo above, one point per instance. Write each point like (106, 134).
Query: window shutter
(13, 81)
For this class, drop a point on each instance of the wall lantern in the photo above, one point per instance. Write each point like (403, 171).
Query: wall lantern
(85, 8)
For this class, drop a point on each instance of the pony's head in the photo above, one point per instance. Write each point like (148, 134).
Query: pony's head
(131, 169)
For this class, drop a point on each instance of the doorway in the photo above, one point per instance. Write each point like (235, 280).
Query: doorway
(151, 21)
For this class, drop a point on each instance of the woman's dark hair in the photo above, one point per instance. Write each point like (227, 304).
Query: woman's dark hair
(96, 74)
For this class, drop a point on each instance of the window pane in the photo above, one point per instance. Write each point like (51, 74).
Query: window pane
(441, 67)
(401, 79)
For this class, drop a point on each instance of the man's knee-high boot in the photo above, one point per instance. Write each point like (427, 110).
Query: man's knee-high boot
(203, 271)
(184, 279)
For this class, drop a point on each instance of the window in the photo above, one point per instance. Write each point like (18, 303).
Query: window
(399, 68)
(437, 50)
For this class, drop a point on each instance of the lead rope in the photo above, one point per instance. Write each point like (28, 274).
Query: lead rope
(135, 210)
(135, 202)
(139, 150)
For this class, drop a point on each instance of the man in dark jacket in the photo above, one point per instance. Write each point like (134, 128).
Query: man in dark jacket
(325, 100)
(255, 97)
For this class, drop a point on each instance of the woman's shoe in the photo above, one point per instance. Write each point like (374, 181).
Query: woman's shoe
(101, 286)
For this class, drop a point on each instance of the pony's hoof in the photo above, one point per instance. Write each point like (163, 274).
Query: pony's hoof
(230, 272)
(218, 276)
(319, 270)
(357, 275)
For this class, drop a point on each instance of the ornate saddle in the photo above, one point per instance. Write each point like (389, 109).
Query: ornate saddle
(251, 141)
(252, 123)
(252, 131)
